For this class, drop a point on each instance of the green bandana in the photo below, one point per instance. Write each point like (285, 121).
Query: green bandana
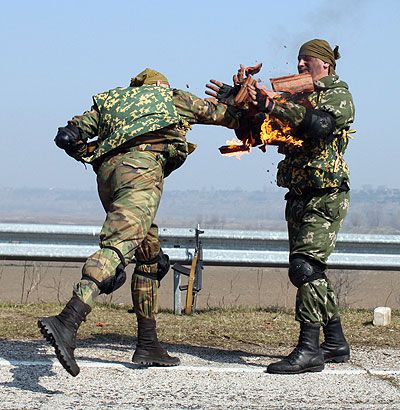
(148, 77)
(322, 50)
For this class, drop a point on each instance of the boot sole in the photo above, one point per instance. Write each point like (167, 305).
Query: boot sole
(147, 362)
(308, 369)
(337, 359)
(50, 334)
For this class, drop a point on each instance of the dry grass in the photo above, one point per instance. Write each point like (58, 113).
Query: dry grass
(231, 328)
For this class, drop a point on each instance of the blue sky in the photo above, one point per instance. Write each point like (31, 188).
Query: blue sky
(56, 55)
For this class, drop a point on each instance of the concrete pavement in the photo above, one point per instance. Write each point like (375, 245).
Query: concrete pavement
(209, 378)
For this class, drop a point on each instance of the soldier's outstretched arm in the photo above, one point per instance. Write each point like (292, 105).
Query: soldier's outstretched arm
(333, 114)
(196, 110)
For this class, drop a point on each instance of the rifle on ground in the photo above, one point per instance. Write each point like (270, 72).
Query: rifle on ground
(194, 274)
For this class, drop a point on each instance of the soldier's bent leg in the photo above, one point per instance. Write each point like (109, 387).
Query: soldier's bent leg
(130, 186)
(144, 283)
(103, 272)
(144, 289)
(60, 332)
(149, 252)
(151, 265)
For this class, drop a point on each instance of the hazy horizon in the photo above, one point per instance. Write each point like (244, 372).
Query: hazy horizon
(374, 211)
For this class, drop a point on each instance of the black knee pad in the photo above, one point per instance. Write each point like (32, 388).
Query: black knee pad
(112, 283)
(303, 270)
(163, 265)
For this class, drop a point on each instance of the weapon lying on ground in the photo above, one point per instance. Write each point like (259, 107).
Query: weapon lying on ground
(194, 274)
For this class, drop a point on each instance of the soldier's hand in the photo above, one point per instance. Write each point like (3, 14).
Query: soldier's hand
(253, 69)
(238, 78)
(68, 137)
(214, 88)
(263, 89)
(224, 93)
(262, 101)
(261, 97)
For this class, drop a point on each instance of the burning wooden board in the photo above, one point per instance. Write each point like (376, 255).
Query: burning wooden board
(233, 149)
(296, 83)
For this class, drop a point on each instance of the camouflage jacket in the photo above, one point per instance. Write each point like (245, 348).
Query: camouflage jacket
(152, 115)
(319, 163)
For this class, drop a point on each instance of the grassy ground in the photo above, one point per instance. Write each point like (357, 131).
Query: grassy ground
(232, 328)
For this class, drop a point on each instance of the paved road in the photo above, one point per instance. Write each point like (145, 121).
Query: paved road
(209, 378)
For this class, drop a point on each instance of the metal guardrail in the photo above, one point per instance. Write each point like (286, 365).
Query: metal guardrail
(220, 247)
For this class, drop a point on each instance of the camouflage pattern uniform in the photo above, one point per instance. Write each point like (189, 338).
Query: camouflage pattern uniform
(318, 181)
(141, 139)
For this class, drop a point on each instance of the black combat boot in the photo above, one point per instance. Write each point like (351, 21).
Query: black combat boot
(306, 357)
(335, 347)
(60, 332)
(148, 350)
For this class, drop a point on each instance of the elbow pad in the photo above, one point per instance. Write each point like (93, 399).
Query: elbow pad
(317, 124)
(68, 137)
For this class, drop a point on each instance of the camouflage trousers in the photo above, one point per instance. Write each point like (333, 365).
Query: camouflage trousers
(130, 185)
(313, 221)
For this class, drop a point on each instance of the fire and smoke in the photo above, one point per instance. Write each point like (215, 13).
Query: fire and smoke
(271, 134)
(235, 148)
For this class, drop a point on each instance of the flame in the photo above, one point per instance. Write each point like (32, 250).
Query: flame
(233, 143)
(271, 134)
(236, 143)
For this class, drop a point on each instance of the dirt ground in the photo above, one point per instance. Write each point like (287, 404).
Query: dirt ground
(32, 282)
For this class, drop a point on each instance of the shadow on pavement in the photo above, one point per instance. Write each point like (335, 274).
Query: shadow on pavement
(117, 343)
(27, 377)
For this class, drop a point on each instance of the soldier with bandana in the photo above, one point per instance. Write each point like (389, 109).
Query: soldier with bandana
(134, 137)
(317, 178)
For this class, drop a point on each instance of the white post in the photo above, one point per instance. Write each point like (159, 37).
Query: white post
(177, 293)
(382, 316)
